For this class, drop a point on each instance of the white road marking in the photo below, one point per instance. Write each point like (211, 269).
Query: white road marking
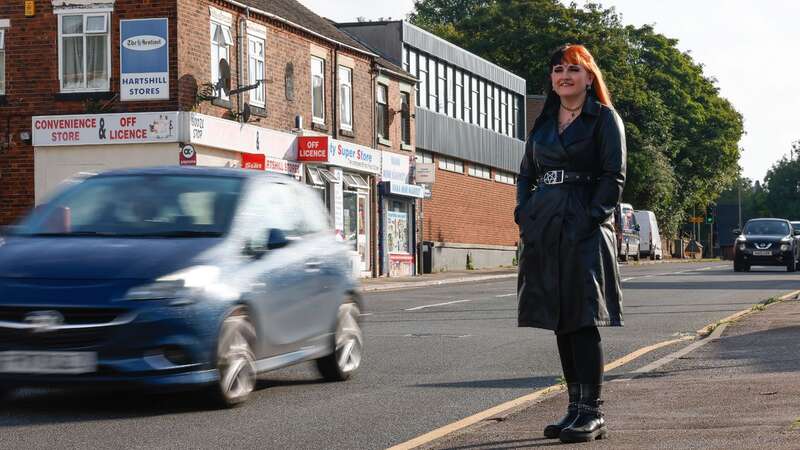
(417, 308)
(505, 295)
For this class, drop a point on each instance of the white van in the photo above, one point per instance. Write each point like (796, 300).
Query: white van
(650, 238)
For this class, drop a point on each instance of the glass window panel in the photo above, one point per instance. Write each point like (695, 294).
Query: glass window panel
(450, 81)
(96, 62)
(433, 102)
(405, 132)
(2, 72)
(72, 24)
(441, 83)
(73, 62)
(96, 24)
(317, 89)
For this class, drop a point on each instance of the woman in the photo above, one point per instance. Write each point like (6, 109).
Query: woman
(570, 181)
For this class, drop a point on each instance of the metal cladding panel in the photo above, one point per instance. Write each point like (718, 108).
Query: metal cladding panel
(447, 136)
(433, 45)
(385, 38)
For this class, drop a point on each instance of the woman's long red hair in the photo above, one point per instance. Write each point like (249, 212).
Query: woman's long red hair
(577, 54)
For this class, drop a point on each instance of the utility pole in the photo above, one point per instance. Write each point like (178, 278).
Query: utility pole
(740, 204)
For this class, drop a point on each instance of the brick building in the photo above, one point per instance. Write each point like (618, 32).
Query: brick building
(87, 86)
(470, 124)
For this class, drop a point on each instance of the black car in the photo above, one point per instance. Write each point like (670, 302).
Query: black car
(766, 242)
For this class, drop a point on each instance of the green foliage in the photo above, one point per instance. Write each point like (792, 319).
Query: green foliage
(682, 136)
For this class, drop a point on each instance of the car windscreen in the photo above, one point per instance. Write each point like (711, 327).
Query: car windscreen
(766, 228)
(138, 206)
(796, 226)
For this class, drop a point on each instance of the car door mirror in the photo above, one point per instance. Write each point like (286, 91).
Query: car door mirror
(276, 238)
(796, 232)
(737, 231)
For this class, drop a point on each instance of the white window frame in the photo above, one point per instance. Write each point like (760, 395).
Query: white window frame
(345, 100)
(482, 112)
(475, 101)
(503, 116)
(505, 177)
(215, 49)
(423, 75)
(459, 94)
(252, 63)
(516, 132)
(510, 115)
(424, 157)
(405, 117)
(441, 83)
(479, 171)
(451, 165)
(85, 14)
(433, 98)
(382, 90)
(2, 61)
(321, 118)
(450, 80)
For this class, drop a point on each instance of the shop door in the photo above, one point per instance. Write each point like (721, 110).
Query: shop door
(356, 224)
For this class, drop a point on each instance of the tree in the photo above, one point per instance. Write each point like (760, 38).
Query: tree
(682, 136)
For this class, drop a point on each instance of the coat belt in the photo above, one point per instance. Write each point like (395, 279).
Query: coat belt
(562, 176)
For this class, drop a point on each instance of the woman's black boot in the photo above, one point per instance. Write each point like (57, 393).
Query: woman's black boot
(589, 425)
(554, 430)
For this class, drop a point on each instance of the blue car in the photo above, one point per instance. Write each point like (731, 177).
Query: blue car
(176, 278)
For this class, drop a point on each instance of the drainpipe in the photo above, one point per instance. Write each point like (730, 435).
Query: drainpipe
(335, 91)
(239, 65)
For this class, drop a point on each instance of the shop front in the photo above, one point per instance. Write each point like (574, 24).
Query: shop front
(343, 174)
(397, 213)
(66, 146)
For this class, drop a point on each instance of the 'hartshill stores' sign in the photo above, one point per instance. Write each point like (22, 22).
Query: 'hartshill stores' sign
(144, 59)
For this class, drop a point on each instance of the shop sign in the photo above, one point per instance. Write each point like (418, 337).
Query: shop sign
(188, 156)
(425, 173)
(354, 156)
(401, 265)
(100, 129)
(394, 167)
(234, 136)
(283, 166)
(253, 161)
(407, 190)
(312, 148)
(144, 59)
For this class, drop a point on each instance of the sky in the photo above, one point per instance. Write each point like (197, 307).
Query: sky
(748, 46)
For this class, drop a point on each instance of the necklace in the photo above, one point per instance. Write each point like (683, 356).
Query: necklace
(573, 112)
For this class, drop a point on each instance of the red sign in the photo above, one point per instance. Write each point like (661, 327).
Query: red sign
(312, 148)
(252, 161)
(188, 156)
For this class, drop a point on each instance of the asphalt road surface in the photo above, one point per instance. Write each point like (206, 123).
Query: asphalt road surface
(434, 355)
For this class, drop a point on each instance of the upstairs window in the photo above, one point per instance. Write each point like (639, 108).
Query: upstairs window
(221, 41)
(424, 157)
(318, 90)
(346, 98)
(405, 130)
(451, 165)
(382, 111)
(255, 69)
(479, 171)
(85, 52)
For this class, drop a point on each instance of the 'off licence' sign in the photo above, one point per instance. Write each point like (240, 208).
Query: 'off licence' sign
(312, 148)
(144, 59)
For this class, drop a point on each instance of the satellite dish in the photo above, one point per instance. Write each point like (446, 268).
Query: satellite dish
(246, 111)
(224, 82)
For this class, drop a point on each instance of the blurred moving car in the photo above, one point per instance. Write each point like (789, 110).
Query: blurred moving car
(176, 277)
(796, 229)
(649, 236)
(766, 242)
(627, 231)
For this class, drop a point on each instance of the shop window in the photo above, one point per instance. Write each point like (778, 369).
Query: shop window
(382, 111)
(85, 52)
(255, 69)
(318, 90)
(505, 177)
(2, 62)
(352, 181)
(479, 171)
(405, 114)
(314, 177)
(424, 157)
(346, 98)
(221, 41)
(451, 165)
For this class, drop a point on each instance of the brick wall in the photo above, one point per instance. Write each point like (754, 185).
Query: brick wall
(469, 210)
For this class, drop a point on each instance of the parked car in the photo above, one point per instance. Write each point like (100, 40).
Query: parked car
(766, 242)
(627, 231)
(796, 229)
(649, 237)
(176, 277)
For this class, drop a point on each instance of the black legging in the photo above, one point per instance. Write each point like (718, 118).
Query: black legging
(581, 356)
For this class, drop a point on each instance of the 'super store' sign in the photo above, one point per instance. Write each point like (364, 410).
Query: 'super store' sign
(339, 153)
(144, 59)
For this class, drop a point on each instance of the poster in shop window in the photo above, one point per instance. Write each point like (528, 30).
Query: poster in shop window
(397, 232)
(144, 59)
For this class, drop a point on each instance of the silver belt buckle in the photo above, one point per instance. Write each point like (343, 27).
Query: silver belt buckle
(553, 177)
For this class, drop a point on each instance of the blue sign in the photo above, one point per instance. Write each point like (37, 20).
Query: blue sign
(406, 190)
(144, 59)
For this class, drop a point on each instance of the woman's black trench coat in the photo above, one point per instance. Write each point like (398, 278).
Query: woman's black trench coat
(568, 272)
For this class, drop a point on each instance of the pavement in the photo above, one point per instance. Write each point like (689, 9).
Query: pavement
(737, 390)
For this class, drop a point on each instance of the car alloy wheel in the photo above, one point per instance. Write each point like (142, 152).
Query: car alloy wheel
(235, 359)
(348, 346)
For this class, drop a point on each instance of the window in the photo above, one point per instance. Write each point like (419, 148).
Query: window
(441, 83)
(496, 119)
(477, 170)
(405, 129)
(517, 133)
(503, 112)
(505, 177)
(474, 104)
(467, 94)
(433, 100)
(459, 93)
(221, 41)
(482, 102)
(424, 157)
(405, 58)
(346, 98)
(2, 62)
(255, 69)
(451, 101)
(510, 116)
(84, 45)
(317, 90)
(450, 164)
(382, 111)
(422, 91)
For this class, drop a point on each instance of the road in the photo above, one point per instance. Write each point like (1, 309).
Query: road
(435, 355)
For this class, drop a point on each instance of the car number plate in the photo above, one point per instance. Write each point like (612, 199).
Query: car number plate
(48, 362)
(762, 252)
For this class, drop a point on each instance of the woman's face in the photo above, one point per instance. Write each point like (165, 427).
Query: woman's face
(570, 80)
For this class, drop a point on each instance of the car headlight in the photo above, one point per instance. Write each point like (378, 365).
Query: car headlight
(785, 247)
(183, 284)
(741, 246)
